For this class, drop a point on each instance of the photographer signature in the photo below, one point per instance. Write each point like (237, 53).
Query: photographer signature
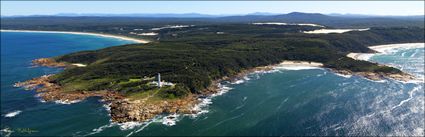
(7, 131)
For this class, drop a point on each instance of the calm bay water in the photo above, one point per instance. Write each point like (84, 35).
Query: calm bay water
(285, 102)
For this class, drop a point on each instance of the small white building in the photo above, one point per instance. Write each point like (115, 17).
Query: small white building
(159, 80)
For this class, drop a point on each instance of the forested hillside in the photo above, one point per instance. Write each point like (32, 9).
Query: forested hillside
(194, 57)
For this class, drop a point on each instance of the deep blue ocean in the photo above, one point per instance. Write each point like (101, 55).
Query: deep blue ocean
(282, 102)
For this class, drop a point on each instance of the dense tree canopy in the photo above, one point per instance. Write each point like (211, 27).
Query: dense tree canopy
(197, 56)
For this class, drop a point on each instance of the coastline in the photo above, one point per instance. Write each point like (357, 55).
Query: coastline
(389, 47)
(383, 49)
(124, 110)
(82, 33)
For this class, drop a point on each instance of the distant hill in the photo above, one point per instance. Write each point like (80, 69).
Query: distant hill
(333, 21)
(149, 15)
(336, 21)
(376, 16)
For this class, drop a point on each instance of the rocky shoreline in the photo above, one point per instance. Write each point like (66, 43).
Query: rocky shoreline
(49, 91)
(123, 109)
(382, 49)
(126, 110)
(48, 62)
(405, 77)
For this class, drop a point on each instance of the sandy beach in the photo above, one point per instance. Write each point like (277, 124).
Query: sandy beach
(82, 33)
(392, 47)
(382, 49)
(298, 65)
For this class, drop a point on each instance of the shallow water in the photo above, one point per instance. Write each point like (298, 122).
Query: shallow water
(285, 102)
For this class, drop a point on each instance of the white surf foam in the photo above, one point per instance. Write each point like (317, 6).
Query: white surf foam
(100, 129)
(240, 81)
(125, 126)
(6, 132)
(202, 107)
(408, 99)
(244, 99)
(266, 71)
(129, 125)
(143, 126)
(67, 102)
(391, 48)
(13, 114)
(414, 54)
(377, 81)
(170, 120)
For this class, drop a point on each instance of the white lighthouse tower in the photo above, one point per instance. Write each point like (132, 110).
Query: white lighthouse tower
(159, 80)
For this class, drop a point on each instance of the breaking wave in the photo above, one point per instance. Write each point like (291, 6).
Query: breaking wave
(13, 114)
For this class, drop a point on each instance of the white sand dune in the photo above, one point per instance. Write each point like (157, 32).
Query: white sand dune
(282, 23)
(79, 65)
(148, 34)
(82, 33)
(172, 27)
(327, 31)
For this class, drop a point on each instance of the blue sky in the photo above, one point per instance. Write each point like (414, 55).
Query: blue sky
(212, 7)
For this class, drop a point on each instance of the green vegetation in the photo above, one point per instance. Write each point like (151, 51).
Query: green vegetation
(131, 26)
(193, 57)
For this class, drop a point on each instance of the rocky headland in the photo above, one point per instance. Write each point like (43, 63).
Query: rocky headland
(405, 77)
(124, 109)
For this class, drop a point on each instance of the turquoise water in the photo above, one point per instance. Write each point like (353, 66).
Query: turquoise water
(284, 102)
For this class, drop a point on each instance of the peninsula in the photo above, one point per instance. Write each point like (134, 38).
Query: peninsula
(194, 59)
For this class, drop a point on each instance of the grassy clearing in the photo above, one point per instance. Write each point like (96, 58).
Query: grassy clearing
(156, 94)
